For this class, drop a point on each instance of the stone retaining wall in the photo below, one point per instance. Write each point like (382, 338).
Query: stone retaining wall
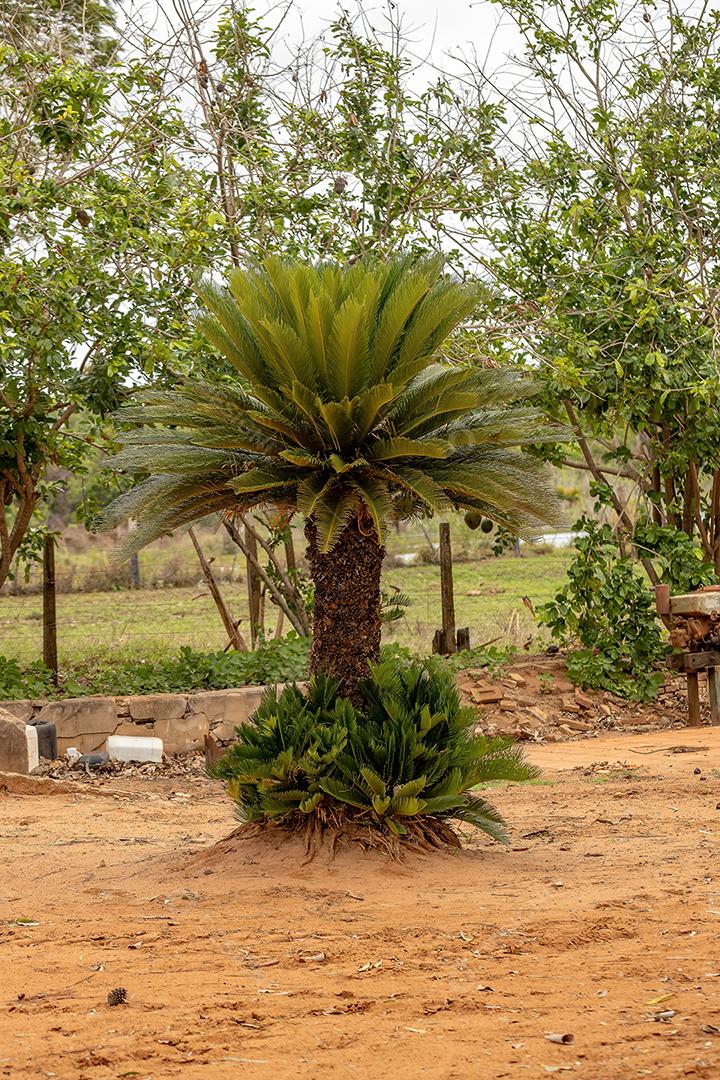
(181, 720)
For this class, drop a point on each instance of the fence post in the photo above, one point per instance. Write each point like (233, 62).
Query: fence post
(50, 658)
(290, 561)
(446, 590)
(253, 586)
(135, 571)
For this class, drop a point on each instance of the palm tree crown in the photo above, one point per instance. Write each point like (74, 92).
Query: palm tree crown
(342, 410)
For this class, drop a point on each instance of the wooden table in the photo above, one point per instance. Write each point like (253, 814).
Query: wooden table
(692, 663)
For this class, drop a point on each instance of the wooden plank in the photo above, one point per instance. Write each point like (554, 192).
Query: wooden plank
(699, 603)
(714, 692)
(698, 661)
(693, 699)
(446, 590)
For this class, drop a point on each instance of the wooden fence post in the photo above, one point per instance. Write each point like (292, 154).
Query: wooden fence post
(693, 699)
(290, 560)
(446, 590)
(254, 586)
(50, 658)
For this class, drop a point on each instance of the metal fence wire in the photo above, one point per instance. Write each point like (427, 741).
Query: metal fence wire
(105, 609)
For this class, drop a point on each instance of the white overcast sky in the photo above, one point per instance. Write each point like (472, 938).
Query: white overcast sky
(435, 27)
(432, 29)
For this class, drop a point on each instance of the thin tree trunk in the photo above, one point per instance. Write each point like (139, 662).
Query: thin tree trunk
(229, 623)
(715, 520)
(346, 610)
(688, 506)
(620, 510)
(272, 588)
(657, 486)
(287, 585)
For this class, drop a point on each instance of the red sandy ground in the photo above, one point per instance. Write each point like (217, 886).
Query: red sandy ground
(601, 921)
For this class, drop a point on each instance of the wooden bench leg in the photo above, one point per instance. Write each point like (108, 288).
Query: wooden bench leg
(714, 692)
(693, 699)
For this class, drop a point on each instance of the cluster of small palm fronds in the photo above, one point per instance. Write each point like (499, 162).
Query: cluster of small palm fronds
(409, 752)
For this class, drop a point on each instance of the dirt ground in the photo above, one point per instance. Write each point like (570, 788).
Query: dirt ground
(600, 923)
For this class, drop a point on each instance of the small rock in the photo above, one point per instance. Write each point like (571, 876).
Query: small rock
(486, 697)
(578, 725)
(635, 721)
(92, 761)
(570, 706)
(584, 700)
(507, 705)
(518, 679)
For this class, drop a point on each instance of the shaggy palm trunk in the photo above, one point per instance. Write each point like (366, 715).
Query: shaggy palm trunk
(346, 606)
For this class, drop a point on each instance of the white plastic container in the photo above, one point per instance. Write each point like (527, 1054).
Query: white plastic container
(134, 748)
(33, 755)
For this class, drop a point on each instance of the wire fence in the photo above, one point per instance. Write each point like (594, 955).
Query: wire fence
(100, 614)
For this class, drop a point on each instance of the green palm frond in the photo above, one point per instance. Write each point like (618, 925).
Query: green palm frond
(342, 406)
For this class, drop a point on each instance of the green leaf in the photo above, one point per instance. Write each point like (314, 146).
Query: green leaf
(331, 518)
(375, 783)
(376, 499)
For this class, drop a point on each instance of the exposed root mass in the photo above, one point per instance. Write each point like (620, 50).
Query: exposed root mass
(331, 828)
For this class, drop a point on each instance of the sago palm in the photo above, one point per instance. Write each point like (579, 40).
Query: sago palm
(344, 410)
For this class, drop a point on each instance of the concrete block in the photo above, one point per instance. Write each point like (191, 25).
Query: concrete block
(126, 727)
(23, 710)
(18, 745)
(156, 706)
(225, 709)
(82, 722)
(184, 733)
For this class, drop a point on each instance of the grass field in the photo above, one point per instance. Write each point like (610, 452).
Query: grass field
(153, 623)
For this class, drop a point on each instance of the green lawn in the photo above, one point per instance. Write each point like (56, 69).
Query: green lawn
(488, 597)
(153, 623)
